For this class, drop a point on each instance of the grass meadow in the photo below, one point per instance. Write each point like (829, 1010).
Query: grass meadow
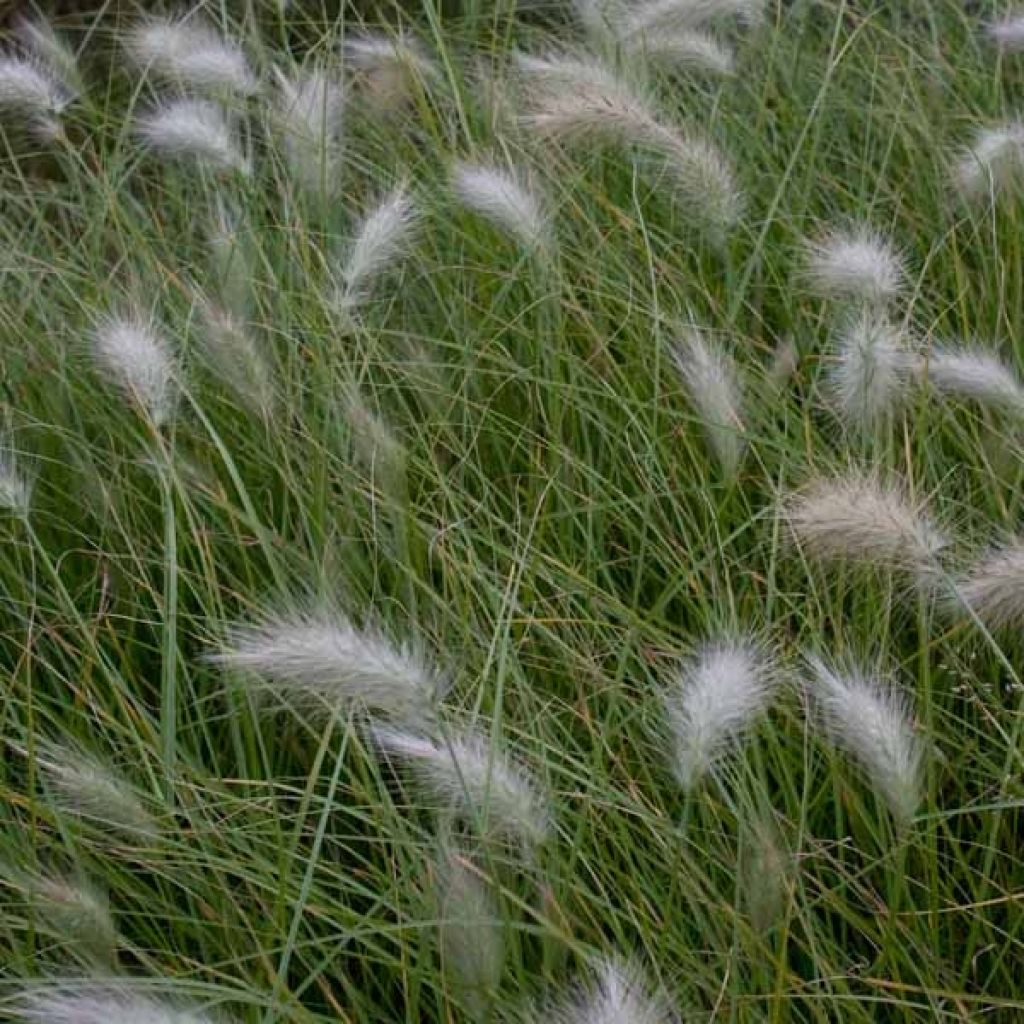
(511, 512)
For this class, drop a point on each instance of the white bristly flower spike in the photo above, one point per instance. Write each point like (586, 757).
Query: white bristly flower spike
(390, 68)
(499, 197)
(311, 106)
(993, 588)
(85, 1001)
(229, 237)
(712, 384)
(580, 101)
(717, 695)
(15, 490)
(472, 931)
(190, 53)
(85, 787)
(30, 91)
(467, 774)
(235, 356)
(993, 163)
(683, 50)
(859, 264)
(655, 16)
(870, 376)
(618, 994)
(38, 37)
(320, 661)
(380, 242)
(871, 721)
(1008, 32)
(192, 130)
(136, 355)
(972, 373)
(858, 520)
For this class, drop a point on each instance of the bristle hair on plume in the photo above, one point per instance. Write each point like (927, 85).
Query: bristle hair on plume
(467, 774)
(133, 351)
(712, 385)
(856, 519)
(196, 131)
(82, 785)
(15, 489)
(85, 1001)
(618, 993)
(37, 37)
(471, 931)
(499, 196)
(664, 15)
(857, 264)
(29, 90)
(972, 373)
(716, 696)
(191, 53)
(1008, 32)
(321, 662)
(871, 721)
(870, 376)
(992, 590)
(993, 164)
(380, 241)
(683, 50)
(311, 106)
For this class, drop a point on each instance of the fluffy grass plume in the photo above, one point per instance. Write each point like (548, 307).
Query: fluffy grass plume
(471, 931)
(93, 1001)
(617, 994)
(717, 695)
(858, 520)
(870, 375)
(993, 588)
(235, 357)
(321, 661)
(857, 264)
(580, 101)
(380, 242)
(871, 721)
(971, 373)
(1007, 32)
(466, 773)
(135, 355)
(375, 445)
(37, 37)
(683, 50)
(195, 131)
(228, 237)
(712, 384)
(657, 16)
(993, 163)
(83, 786)
(15, 490)
(311, 105)
(30, 91)
(499, 197)
(190, 53)
(391, 69)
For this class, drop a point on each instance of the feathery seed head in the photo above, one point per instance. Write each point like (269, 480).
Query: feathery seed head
(856, 519)
(73, 911)
(376, 446)
(496, 195)
(619, 994)
(472, 931)
(38, 38)
(321, 661)
(657, 16)
(139, 360)
(870, 376)
(235, 357)
(85, 787)
(15, 490)
(717, 695)
(99, 1002)
(192, 130)
(381, 241)
(712, 384)
(765, 871)
(993, 163)
(993, 589)
(391, 69)
(871, 721)
(190, 53)
(1008, 32)
(465, 773)
(974, 374)
(859, 264)
(311, 106)
(688, 50)
(228, 239)
(30, 91)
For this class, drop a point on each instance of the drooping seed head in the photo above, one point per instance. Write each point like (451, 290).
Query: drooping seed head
(971, 373)
(311, 105)
(1008, 32)
(391, 69)
(858, 264)
(618, 994)
(132, 351)
(712, 384)
(993, 163)
(499, 197)
(687, 50)
(37, 37)
(85, 1001)
(655, 16)
(468, 774)
(320, 661)
(871, 721)
(717, 695)
(194, 131)
(190, 53)
(234, 355)
(15, 489)
(29, 90)
(993, 588)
